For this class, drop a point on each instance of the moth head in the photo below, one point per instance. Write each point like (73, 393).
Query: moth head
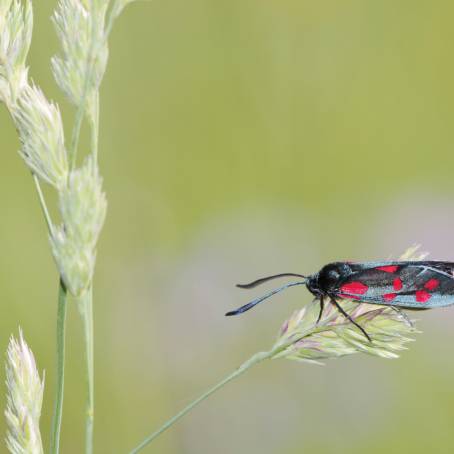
(329, 277)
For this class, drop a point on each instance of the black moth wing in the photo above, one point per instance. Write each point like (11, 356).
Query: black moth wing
(409, 284)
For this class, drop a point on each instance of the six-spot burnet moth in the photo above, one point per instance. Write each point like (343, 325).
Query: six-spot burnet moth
(409, 285)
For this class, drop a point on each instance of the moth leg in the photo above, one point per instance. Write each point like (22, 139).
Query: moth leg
(322, 306)
(348, 317)
(403, 315)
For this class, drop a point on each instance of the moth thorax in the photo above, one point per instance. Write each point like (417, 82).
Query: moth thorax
(331, 275)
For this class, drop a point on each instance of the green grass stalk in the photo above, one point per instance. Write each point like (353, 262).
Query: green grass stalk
(60, 340)
(60, 369)
(257, 358)
(86, 309)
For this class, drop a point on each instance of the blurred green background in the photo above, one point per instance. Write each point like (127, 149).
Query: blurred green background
(242, 138)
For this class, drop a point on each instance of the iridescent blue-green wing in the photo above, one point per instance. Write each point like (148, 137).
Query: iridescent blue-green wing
(421, 285)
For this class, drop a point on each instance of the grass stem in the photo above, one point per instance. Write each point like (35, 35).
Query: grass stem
(258, 357)
(86, 308)
(43, 204)
(59, 387)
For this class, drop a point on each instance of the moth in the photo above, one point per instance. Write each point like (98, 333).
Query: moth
(399, 284)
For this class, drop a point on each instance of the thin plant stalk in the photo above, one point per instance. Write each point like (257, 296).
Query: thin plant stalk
(86, 309)
(94, 126)
(252, 361)
(60, 370)
(86, 301)
(87, 305)
(257, 358)
(43, 204)
(60, 339)
(89, 340)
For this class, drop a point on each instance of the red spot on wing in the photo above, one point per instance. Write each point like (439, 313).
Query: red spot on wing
(422, 296)
(388, 268)
(389, 296)
(432, 284)
(397, 284)
(357, 288)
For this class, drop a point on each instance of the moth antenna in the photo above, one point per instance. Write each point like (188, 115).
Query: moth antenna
(268, 278)
(253, 303)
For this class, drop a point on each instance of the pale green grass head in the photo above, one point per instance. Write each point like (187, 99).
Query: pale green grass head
(24, 399)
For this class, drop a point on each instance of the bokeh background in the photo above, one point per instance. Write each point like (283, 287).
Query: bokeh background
(241, 138)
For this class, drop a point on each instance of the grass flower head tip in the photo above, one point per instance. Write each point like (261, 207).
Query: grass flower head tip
(24, 399)
(16, 26)
(302, 338)
(40, 128)
(76, 21)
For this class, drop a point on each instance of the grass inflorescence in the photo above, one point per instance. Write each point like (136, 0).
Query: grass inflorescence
(83, 28)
